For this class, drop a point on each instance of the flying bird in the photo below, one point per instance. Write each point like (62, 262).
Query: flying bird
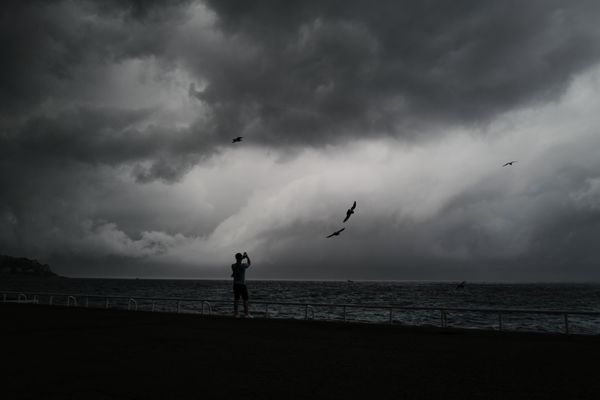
(237, 139)
(337, 233)
(509, 163)
(350, 212)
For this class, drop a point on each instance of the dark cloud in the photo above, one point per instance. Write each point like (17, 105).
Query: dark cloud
(77, 148)
(282, 74)
(43, 42)
(316, 71)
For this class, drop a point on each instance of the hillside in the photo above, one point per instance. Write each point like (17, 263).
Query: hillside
(20, 266)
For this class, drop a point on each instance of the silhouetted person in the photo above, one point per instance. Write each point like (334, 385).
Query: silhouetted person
(239, 283)
(237, 139)
(350, 212)
(337, 233)
(509, 163)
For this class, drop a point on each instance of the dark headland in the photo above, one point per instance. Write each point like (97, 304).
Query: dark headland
(23, 267)
(69, 353)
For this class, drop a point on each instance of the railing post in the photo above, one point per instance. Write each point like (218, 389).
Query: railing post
(266, 310)
(69, 301)
(178, 306)
(308, 306)
(391, 316)
(209, 307)
(106, 304)
(566, 323)
(442, 318)
(153, 307)
(50, 300)
(87, 302)
(344, 313)
(499, 321)
(132, 300)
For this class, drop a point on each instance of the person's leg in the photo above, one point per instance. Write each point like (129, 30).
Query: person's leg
(236, 300)
(245, 297)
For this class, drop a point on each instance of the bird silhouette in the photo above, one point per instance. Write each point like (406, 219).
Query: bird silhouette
(461, 285)
(237, 139)
(509, 163)
(337, 233)
(350, 212)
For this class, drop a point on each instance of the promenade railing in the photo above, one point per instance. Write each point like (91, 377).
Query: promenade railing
(506, 319)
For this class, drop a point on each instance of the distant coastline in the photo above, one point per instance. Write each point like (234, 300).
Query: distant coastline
(24, 267)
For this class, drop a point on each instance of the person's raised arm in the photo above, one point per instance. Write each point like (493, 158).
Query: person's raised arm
(248, 259)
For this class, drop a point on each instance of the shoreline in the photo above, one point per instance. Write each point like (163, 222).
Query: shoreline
(349, 280)
(62, 353)
(504, 319)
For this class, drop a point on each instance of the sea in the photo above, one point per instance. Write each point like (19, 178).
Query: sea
(411, 303)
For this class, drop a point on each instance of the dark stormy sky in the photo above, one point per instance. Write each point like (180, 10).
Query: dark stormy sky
(116, 120)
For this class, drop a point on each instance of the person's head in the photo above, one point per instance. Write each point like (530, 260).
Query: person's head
(238, 257)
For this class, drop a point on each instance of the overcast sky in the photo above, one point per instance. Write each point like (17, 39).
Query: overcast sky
(116, 120)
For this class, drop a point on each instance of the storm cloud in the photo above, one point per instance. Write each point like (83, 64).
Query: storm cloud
(314, 72)
(116, 121)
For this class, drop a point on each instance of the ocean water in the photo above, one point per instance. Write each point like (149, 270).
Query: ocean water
(538, 296)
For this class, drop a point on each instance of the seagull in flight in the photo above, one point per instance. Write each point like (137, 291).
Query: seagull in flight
(237, 139)
(337, 233)
(509, 163)
(350, 212)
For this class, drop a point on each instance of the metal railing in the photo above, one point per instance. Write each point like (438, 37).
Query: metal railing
(389, 314)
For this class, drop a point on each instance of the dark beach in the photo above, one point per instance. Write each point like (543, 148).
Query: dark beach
(70, 353)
